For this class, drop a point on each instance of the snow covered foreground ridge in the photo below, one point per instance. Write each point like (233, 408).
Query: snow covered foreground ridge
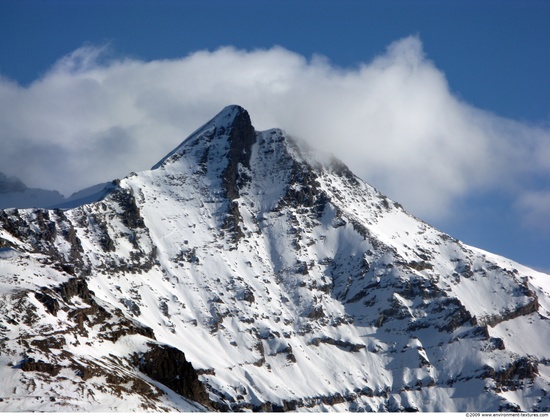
(241, 273)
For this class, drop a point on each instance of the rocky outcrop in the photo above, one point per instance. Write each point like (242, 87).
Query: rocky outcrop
(47, 351)
(92, 313)
(528, 308)
(130, 213)
(167, 365)
(241, 138)
(344, 345)
(31, 365)
(42, 230)
(511, 375)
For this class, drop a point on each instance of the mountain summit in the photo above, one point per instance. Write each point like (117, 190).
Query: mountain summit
(246, 272)
(231, 125)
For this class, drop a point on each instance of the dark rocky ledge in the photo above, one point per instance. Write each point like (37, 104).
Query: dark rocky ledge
(344, 345)
(168, 365)
(528, 308)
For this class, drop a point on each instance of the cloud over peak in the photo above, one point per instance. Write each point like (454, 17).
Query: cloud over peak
(393, 120)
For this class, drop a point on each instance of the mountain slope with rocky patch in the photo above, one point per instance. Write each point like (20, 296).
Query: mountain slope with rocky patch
(245, 271)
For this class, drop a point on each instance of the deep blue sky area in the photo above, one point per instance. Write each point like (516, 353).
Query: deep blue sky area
(495, 55)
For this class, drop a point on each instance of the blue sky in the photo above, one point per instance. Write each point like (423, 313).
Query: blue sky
(466, 83)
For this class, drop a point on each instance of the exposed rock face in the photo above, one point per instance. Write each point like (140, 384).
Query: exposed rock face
(244, 255)
(45, 350)
(47, 355)
(512, 374)
(241, 138)
(168, 366)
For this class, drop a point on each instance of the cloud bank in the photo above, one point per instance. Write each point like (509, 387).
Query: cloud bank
(394, 121)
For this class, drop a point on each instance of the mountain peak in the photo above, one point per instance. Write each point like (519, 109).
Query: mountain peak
(230, 113)
(232, 123)
(227, 117)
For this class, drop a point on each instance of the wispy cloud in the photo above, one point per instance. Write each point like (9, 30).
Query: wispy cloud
(534, 207)
(394, 121)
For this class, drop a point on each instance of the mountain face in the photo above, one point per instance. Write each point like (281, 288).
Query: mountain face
(246, 272)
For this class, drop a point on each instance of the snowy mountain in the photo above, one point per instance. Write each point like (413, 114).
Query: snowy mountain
(245, 271)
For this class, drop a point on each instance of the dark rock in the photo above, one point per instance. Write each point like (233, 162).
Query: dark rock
(289, 354)
(511, 375)
(232, 221)
(75, 286)
(45, 344)
(92, 314)
(316, 313)
(241, 138)
(76, 246)
(344, 345)
(31, 365)
(210, 372)
(51, 304)
(247, 295)
(523, 368)
(333, 399)
(131, 216)
(498, 343)
(168, 366)
(260, 348)
(420, 265)
(458, 315)
(528, 308)
(466, 271)
(105, 241)
(303, 189)
(289, 405)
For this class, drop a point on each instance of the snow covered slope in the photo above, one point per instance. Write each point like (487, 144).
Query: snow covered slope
(287, 282)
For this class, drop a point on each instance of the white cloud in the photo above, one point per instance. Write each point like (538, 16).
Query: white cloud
(534, 207)
(394, 120)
